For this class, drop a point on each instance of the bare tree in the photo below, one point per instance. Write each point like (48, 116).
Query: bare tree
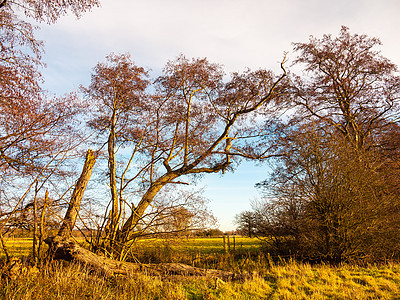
(350, 86)
(192, 123)
(176, 213)
(330, 197)
(201, 123)
(117, 95)
(196, 124)
(246, 222)
(49, 10)
(37, 131)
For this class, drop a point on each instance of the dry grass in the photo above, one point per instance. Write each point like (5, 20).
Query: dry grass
(72, 281)
(290, 280)
(302, 281)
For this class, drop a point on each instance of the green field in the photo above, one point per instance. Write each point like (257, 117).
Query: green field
(18, 247)
(206, 245)
(272, 280)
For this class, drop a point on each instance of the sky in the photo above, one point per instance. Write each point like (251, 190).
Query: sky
(238, 34)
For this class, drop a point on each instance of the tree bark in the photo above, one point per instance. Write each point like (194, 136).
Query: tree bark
(114, 214)
(68, 249)
(34, 235)
(147, 198)
(75, 203)
(42, 221)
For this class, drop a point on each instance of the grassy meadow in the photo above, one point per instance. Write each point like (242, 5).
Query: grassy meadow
(272, 280)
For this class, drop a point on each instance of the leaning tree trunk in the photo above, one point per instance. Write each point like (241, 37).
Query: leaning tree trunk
(64, 247)
(75, 203)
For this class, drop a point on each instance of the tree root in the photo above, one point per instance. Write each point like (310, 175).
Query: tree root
(68, 249)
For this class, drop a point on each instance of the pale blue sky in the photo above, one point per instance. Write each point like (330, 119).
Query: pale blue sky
(235, 33)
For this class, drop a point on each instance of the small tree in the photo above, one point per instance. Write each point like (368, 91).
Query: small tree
(246, 222)
(177, 213)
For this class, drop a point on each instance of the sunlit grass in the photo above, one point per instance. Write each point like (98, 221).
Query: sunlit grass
(204, 245)
(18, 247)
(292, 280)
(279, 280)
(199, 252)
(302, 281)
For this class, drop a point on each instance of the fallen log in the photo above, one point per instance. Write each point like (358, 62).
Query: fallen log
(67, 249)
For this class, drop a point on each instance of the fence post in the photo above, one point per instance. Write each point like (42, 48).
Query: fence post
(224, 243)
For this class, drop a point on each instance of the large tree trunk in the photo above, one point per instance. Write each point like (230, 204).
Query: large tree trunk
(68, 249)
(114, 213)
(64, 247)
(75, 203)
(147, 198)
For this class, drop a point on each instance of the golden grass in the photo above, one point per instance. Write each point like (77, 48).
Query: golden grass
(202, 245)
(18, 247)
(302, 281)
(285, 280)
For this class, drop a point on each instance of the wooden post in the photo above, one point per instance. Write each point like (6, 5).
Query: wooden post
(224, 243)
(229, 245)
(234, 243)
